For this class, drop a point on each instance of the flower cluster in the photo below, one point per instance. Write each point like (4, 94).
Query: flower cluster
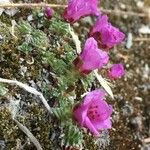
(102, 37)
(94, 112)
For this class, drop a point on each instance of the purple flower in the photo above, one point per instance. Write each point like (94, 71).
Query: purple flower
(116, 71)
(106, 34)
(80, 8)
(94, 113)
(91, 57)
(49, 12)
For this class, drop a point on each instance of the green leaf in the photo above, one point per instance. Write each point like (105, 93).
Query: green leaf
(25, 48)
(39, 39)
(3, 90)
(59, 26)
(72, 136)
(24, 27)
(35, 37)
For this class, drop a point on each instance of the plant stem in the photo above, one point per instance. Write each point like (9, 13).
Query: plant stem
(120, 12)
(32, 5)
(28, 89)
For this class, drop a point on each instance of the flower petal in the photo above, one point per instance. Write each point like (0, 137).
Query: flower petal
(80, 8)
(91, 127)
(49, 12)
(92, 57)
(106, 34)
(106, 124)
(116, 71)
(80, 113)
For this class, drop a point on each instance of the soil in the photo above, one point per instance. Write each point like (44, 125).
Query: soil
(131, 116)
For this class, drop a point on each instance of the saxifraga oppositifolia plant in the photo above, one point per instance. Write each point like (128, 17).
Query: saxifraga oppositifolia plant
(92, 113)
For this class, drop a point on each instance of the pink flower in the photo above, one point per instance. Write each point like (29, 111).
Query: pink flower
(91, 57)
(106, 34)
(94, 113)
(80, 8)
(49, 12)
(116, 71)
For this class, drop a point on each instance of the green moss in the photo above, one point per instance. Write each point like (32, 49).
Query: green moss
(8, 129)
(40, 126)
(58, 26)
(33, 37)
(5, 19)
(90, 142)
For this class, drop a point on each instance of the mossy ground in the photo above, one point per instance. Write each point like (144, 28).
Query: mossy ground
(47, 69)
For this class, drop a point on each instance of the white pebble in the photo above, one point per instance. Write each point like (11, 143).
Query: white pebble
(144, 29)
(129, 41)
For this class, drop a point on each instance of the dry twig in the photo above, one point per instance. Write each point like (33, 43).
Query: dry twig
(13, 22)
(28, 89)
(142, 40)
(29, 134)
(147, 140)
(120, 12)
(32, 5)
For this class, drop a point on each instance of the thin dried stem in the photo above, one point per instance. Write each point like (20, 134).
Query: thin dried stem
(120, 12)
(28, 89)
(29, 134)
(147, 140)
(141, 39)
(32, 5)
